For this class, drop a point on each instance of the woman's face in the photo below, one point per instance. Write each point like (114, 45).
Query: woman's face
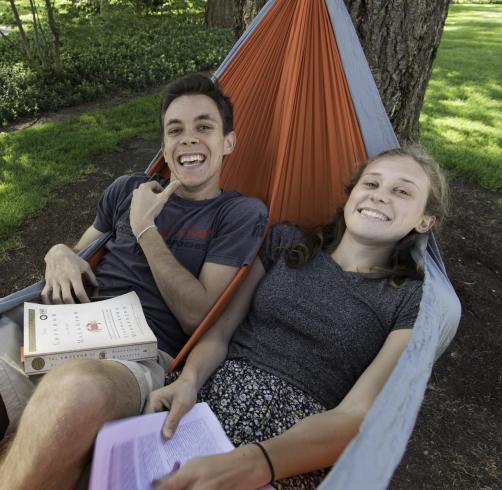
(388, 201)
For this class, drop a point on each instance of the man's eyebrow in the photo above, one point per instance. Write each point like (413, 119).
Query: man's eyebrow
(173, 121)
(201, 117)
(205, 117)
(407, 181)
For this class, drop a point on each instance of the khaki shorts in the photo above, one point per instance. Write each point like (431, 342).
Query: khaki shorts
(150, 375)
(16, 387)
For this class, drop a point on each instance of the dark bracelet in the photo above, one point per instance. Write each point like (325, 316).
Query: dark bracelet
(267, 457)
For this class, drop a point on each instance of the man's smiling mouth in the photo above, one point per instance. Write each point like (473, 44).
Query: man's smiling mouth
(191, 159)
(373, 214)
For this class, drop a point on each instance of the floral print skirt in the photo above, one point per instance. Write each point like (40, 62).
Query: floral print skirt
(254, 405)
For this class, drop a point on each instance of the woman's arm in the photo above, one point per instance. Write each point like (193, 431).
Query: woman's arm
(205, 357)
(314, 443)
(320, 439)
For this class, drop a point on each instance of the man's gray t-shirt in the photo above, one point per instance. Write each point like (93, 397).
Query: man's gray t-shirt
(226, 230)
(317, 326)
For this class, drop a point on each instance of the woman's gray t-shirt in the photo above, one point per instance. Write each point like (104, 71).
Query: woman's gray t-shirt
(319, 327)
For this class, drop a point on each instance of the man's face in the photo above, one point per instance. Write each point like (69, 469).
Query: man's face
(194, 145)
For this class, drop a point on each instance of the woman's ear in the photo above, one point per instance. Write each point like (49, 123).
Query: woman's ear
(426, 223)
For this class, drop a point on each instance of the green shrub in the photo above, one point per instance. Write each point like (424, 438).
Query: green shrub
(127, 52)
(479, 2)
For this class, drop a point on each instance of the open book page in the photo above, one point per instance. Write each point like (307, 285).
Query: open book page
(131, 453)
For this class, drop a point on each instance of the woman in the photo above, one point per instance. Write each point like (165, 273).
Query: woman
(327, 325)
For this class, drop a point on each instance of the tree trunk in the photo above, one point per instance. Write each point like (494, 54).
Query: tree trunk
(55, 37)
(24, 39)
(39, 38)
(104, 8)
(400, 39)
(220, 13)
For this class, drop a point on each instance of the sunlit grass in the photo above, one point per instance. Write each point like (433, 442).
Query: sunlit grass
(461, 122)
(34, 162)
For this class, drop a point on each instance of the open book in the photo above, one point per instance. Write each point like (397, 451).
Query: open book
(113, 328)
(130, 454)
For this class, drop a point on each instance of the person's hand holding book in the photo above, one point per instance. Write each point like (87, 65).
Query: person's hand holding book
(178, 397)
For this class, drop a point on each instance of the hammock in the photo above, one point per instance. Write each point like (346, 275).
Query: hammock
(302, 88)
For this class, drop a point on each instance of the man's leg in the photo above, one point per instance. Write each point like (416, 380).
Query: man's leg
(58, 427)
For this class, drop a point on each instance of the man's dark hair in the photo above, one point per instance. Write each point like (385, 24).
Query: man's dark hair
(198, 84)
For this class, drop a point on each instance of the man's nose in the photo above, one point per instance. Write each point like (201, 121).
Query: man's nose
(190, 139)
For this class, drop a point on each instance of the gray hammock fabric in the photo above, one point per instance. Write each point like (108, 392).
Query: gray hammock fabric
(371, 458)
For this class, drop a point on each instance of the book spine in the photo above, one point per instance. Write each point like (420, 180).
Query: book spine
(39, 364)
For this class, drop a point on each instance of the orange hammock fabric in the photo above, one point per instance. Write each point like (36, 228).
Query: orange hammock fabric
(298, 135)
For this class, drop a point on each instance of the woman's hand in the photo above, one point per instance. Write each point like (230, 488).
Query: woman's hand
(243, 468)
(178, 397)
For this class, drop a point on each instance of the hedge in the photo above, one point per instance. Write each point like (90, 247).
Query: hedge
(99, 58)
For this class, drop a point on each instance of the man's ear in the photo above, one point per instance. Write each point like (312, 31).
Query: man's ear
(230, 142)
(426, 223)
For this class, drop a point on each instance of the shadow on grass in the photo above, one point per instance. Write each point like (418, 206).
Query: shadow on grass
(36, 161)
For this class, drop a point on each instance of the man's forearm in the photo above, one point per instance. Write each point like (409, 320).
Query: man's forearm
(183, 293)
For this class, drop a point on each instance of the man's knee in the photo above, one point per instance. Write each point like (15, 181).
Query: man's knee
(89, 389)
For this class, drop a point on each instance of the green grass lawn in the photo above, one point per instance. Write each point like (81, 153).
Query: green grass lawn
(461, 122)
(36, 161)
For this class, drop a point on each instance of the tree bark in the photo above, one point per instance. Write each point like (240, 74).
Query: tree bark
(55, 37)
(104, 8)
(24, 39)
(220, 13)
(400, 39)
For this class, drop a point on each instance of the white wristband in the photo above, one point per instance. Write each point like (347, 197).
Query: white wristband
(144, 231)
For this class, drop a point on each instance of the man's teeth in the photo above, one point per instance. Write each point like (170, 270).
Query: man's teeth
(374, 214)
(193, 159)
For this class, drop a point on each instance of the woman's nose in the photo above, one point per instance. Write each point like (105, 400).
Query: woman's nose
(379, 196)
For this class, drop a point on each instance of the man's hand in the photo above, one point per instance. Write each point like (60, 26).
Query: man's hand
(178, 397)
(147, 203)
(63, 274)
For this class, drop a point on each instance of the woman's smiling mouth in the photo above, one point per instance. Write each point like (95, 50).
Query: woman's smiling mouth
(373, 214)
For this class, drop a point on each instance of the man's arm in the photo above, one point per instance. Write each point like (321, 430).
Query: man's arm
(188, 297)
(90, 235)
(64, 269)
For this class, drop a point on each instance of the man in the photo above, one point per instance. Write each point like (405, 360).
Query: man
(178, 245)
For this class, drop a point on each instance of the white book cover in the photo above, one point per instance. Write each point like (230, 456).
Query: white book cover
(52, 330)
(131, 453)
